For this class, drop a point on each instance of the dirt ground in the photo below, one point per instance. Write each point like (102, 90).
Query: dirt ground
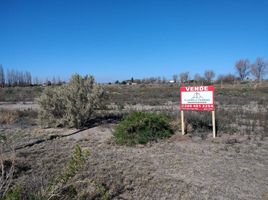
(18, 105)
(181, 167)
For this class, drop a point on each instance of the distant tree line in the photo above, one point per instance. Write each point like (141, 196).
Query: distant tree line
(257, 69)
(243, 69)
(132, 81)
(14, 78)
(24, 78)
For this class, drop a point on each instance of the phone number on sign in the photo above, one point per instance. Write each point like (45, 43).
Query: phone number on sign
(197, 106)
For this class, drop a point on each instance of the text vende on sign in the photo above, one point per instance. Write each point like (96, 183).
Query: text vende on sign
(197, 98)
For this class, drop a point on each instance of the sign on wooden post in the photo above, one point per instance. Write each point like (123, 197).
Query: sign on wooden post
(197, 98)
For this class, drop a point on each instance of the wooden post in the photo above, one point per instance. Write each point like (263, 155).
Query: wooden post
(182, 122)
(213, 124)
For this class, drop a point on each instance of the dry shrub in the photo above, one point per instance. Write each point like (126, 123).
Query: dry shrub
(7, 166)
(10, 116)
(178, 138)
(175, 124)
(71, 105)
(59, 187)
(197, 121)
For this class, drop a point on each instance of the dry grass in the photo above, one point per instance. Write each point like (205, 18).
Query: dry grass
(22, 94)
(178, 167)
(10, 116)
(7, 166)
(240, 108)
(182, 167)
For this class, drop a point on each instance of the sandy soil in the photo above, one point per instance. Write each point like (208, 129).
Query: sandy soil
(18, 105)
(229, 167)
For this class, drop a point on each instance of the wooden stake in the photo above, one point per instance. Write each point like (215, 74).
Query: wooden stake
(213, 124)
(182, 122)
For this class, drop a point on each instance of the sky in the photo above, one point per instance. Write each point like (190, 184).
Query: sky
(120, 39)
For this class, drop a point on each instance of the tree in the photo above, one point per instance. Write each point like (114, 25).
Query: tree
(175, 78)
(209, 75)
(53, 82)
(2, 76)
(229, 78)
(242, 67)
(164, 80)
(184, 77)
(8, 77)
(158, 80)
(36, 81)
(59, 82)
(198, 78)
(258, 69)
(14, 78)
(28, 78)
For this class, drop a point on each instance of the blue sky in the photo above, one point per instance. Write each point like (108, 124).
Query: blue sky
(119, 39)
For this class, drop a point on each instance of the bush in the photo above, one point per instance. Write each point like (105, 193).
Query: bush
(71, 105)
(75, 164)
(9, 116)
(58, 187)
(140, 128)
(7, 163)
(14, 116)
(14, 193)
(199, 121)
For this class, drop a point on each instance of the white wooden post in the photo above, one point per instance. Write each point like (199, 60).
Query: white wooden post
(182, 122)
(213, 124)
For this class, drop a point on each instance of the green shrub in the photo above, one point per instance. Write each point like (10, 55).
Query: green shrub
(71, 105)
(14, 193)
(140, 128)
(75, 164)
(58, 187)
(17, 192)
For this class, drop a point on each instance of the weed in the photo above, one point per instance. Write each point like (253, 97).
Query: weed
(14, 193)
(75, 164)
(58, 186)
(9, 116)
(103, 192)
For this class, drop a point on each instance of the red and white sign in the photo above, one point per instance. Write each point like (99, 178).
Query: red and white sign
(197, 98)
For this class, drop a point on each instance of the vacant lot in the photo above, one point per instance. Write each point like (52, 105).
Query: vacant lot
(229, 167)
(195, 166)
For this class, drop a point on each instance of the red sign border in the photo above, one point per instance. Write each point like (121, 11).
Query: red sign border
(199, 107)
